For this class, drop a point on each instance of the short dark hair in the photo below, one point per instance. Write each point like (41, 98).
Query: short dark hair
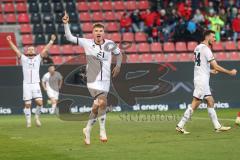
(98, 25)
(51, 65)
(207, 33)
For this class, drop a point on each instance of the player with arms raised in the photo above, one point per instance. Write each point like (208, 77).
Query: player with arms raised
(31, 89)
(203, 60)
(99, 57)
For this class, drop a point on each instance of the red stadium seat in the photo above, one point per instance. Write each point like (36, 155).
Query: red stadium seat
(21, 7)
(143, 48)
(234, 56)
(25, 28)
(109, 16)
(133, 58)
(82, 7)
(185, 57)
(8, 61)
(57, 59)
(55, 50)
(1, 19)
(160, 57)
(191, 46)
(78, 50)
(39, 48)
(88, 35)
(84, 17)
(116, 37)
(168, 47)
(27, 39)
(107, 6)
(8, 8)
(172, 57)
(7, 1)
(181, 47)
(217, 46)
(95, 6)
(67, 49)
(131, 5)
(23, 18)
(87, 27)
(128, 36)
(119, 15)
(147, 57)
(140, 37)
(221, 56)
(238, 44)
(230, 46)
(97, 16)
(131, 49)
(112, 27)
(156, 47)
(143, 5)
(119, 5)
(68, 59)
(10, 18)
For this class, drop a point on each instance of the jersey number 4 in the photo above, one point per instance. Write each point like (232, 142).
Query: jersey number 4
(197, 58)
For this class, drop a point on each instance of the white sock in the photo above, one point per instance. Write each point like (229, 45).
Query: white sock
(54, 108)
(186, 116)
(27, 112)
(102, 120)
(92, 120)
(213, 115)
(38, 111)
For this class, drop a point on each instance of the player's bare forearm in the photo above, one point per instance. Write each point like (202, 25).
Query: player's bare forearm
(14, 47)
(44, 86)
(223, 70)
(213, 71)
(60, 84)
(119, 60)
(48, 46)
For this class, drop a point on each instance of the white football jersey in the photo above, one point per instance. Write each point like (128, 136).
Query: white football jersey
(203, 56)
(31, 68)
(99, 57)
(52, 81)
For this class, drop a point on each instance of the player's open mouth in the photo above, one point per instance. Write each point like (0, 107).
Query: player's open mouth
(98, 36)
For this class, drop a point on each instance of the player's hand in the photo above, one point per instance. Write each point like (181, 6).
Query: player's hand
(65, 18)
(213, 71)
(9, 38)
(115, 71)
(53, 37)
(233, 72)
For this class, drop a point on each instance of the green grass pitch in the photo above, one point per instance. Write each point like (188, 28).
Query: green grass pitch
(128, 140)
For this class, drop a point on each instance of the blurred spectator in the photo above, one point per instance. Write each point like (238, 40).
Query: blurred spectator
(215, 24)
(126, 23)
(137, 22)
(47, 60)
(210, 9)
(191, 26)
(236, 27)
(198, 17)
(155, 35)
(149, 18)
(223, 15)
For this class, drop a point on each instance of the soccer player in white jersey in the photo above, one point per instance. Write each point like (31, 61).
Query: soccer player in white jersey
(52, 82)
(99, 56)
(31, 89)
(203, 60)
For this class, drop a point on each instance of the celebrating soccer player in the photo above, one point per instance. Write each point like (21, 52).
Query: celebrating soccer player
(203, 60)
(31, 89)
(99, 56)
(52, 82)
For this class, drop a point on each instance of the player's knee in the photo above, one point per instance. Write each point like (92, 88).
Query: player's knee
(39, 102)
(102, 103)
(27, 104)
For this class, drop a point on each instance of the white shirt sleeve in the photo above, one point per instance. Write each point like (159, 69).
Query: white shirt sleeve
(208, 54)
(23, 58)
(44, 78)
(114, 48)
(71, 38)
